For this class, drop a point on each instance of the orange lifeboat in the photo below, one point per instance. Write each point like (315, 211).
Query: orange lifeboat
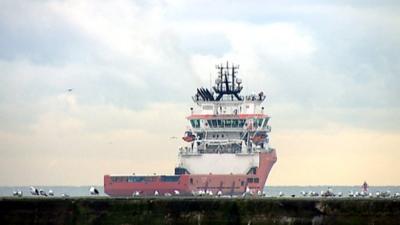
(258, 138)
(189, 136)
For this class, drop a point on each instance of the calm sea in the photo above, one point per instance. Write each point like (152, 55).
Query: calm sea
(81, 191)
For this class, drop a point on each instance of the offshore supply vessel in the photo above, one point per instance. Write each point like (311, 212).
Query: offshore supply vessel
(227, 150)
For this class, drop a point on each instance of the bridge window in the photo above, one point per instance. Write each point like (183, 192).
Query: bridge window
(228, 123)
(257, 122)
(265, 122)
(256, 180)
(195, 123)
(241, 123)
(260, 121)
(235, 123)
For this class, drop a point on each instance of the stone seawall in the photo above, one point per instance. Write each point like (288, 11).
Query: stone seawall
(197, 211)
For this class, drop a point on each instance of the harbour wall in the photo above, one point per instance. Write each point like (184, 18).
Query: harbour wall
(198, 211)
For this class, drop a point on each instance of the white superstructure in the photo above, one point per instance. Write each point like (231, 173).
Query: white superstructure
(227, 131)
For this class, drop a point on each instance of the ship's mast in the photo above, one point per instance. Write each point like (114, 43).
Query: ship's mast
(225, 84)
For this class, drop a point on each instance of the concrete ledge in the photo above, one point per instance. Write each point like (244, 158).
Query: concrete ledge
(214, 211)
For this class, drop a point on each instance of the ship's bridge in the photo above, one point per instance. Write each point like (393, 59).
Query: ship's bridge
(223, 121)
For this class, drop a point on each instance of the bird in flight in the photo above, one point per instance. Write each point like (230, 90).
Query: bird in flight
(69, 89)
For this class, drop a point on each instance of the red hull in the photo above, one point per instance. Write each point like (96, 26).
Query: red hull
(187, 184)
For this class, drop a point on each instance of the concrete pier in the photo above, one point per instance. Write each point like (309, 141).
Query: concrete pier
(101, 210)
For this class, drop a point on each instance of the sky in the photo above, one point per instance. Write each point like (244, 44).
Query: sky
(330, 70)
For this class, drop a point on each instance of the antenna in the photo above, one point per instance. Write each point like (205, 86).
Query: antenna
(210, 82)
(226, 82)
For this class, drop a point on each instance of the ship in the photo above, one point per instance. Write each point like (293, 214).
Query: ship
(226, 150)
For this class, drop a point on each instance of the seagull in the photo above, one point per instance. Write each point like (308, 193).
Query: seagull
(156, 193)
(370, 195)
(201, 192)
(93, 191)
(34, 191)
(69, 89)
(51, 193)
(248, 192)
(42, 192)
(18, 193)
(176, 192)
(64, 195)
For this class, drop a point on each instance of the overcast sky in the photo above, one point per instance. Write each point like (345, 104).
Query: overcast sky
(330, 72)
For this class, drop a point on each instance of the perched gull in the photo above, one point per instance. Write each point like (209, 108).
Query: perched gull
(93, 191)
(34, 191)
(51, 193)
(42, 192)
(18, 193)
(64, 195)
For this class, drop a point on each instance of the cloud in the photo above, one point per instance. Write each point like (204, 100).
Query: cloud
(133, 66)
(91, 141)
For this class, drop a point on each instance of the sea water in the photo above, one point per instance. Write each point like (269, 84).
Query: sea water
(271, 191)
